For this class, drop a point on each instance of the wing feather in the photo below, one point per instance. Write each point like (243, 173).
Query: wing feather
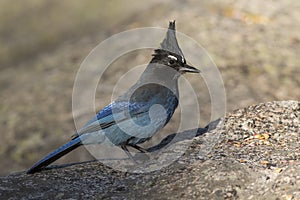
(115, 112)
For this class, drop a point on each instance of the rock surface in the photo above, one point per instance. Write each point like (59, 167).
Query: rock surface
(255, 44)
(253, 153)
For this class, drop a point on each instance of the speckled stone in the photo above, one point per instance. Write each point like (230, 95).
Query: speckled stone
(252, 153)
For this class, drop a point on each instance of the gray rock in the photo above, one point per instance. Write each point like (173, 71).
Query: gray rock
(252, 153)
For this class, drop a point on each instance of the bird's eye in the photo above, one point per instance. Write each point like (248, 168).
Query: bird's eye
(171, 62)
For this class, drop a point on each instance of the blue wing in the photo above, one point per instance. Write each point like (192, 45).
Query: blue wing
(112, 114)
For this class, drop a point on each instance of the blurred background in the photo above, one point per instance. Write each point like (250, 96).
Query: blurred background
(255, 44)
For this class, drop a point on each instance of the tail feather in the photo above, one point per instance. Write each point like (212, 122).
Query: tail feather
(56, 154)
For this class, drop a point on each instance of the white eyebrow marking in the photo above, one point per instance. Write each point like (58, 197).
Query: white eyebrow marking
(172, 57)
(183, 60)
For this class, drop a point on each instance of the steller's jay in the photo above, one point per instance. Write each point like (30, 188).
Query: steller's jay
(142, 111)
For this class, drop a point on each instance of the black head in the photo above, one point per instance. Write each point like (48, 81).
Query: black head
(172, 60)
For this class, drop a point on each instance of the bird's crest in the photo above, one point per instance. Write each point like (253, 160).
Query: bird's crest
(170, 42)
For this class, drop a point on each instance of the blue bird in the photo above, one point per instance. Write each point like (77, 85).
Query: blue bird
(139, 113)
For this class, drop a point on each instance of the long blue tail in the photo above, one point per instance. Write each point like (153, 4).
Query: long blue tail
(54, 155)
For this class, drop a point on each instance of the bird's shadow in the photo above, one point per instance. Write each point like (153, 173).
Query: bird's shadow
(168, 140)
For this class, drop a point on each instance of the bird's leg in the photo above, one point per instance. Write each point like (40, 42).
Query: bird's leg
(128, 153)
(143, 156)
(138, 148)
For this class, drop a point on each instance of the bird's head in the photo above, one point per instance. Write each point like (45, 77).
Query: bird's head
(175, 61)
(169, 54)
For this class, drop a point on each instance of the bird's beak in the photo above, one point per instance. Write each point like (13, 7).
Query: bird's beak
(189, 69)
